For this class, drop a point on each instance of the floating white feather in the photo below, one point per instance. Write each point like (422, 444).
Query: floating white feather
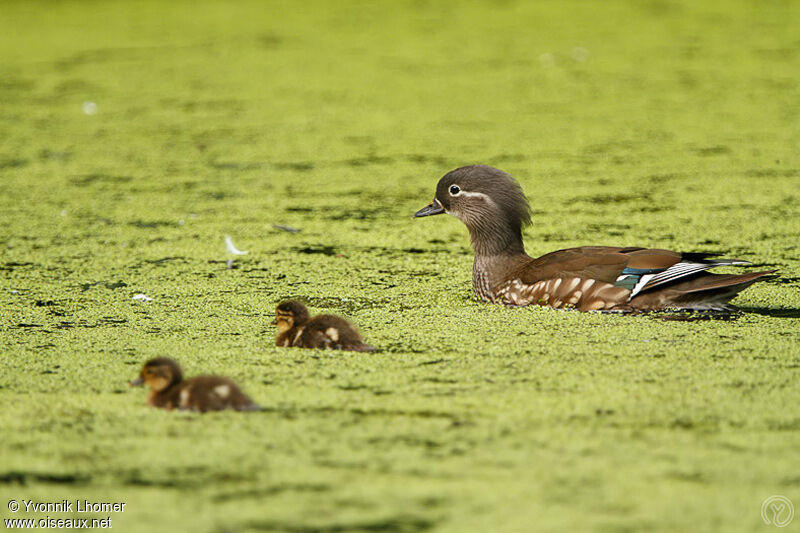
(232, 249)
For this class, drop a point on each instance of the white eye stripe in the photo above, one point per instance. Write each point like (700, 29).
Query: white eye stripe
(471, 194)
(461, 192)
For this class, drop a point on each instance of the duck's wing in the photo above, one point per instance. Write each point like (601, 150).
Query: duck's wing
(599, 263)
(703, 291)
(602, 277)
(641, 277)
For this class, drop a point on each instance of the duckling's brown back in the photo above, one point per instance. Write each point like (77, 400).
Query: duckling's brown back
(213, 393)
(332, 332)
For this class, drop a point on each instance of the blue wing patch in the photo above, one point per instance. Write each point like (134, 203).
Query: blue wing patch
(630, 277)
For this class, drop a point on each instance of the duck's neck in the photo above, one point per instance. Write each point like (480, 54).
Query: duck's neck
(496, 240)
(499, 253)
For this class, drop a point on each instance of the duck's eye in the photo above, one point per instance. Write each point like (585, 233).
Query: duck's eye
(455, 189)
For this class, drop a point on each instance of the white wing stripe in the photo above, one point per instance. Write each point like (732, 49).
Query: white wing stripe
(680, 270)
(640, 285)
(676, 271)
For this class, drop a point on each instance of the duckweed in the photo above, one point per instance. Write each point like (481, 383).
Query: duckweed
(135, 136)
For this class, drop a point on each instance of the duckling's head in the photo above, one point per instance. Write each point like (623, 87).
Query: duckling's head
(289, 314)
(489, 201)
(159, 373)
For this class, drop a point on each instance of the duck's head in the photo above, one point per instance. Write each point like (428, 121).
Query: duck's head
(489, 201)
(159, 373)
(289, 314)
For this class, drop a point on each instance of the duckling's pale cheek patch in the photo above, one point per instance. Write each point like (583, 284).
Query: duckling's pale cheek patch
(157, 382)
(223, 391)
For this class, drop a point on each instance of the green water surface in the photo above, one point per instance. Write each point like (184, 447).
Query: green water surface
(134, 136)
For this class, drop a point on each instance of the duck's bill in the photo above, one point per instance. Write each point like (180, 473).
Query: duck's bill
(138, 382)
(274, 321)
(433, 208)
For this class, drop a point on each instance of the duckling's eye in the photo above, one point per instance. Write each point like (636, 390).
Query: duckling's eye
(454, 190)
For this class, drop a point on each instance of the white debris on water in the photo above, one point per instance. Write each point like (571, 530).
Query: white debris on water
(142, 298)
(89, 108)
(580, 53)
(286, 228)
(232, 249)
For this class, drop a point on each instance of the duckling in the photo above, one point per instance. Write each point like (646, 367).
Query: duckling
(168, 389)
(297, 328)
(494, 208)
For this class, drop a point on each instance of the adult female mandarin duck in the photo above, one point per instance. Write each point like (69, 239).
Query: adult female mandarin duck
(168, 389)
(297, 328)
(493, 207)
